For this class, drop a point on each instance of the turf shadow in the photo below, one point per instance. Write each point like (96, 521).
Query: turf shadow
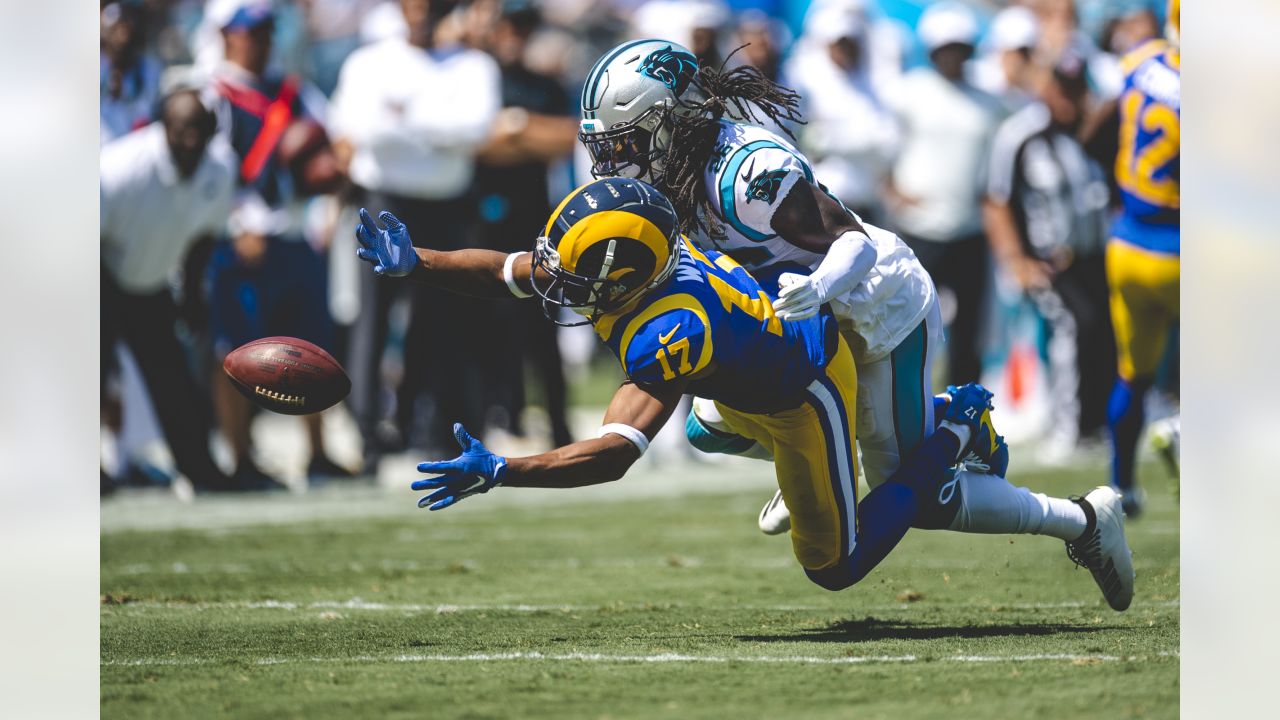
(871, 629)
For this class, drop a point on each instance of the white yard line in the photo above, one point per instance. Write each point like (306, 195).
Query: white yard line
(658, 658)
(443, 608)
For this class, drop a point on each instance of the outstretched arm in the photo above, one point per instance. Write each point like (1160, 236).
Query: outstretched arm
(483, 273)
(634, 417)
(606, 458)
(812, 220)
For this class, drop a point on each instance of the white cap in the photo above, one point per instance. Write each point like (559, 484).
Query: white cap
(675, 20)
(857, 6)
(1013, 28)
(707, 14)
(219, 13)
(832, 22)
(946, 23)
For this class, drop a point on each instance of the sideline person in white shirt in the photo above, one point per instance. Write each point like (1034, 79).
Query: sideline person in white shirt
(851, 134)
(935, 191)
(128, 77)
(409, 114)
(1006, 62)
(162, 189)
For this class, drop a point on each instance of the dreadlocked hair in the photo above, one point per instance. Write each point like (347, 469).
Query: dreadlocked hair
(742, 93)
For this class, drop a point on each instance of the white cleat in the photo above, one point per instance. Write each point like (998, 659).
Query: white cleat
(774, 518)
(1103, 548)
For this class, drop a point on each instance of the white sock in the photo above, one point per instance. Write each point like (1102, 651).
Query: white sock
(963, 432)
(989, 504)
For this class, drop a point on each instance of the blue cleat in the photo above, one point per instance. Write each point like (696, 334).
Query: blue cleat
(971, 405)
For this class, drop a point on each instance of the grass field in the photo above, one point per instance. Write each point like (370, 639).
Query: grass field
(653, 598)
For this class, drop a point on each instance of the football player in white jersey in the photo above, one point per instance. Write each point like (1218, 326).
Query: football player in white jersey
(649, 112)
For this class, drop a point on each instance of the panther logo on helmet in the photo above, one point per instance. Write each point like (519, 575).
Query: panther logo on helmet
(671, 67)
(627, 99)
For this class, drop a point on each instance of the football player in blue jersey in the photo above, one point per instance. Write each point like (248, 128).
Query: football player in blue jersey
(681, 320)
(1143, 266)
(649, 112)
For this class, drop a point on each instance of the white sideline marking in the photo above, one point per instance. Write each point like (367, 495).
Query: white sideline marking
(359, 604)
(355, 604)
(659, 658)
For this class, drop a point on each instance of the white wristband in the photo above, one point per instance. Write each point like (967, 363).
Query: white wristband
(634, 436)
(508, 274)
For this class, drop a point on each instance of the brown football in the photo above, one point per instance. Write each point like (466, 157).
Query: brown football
(287, 375)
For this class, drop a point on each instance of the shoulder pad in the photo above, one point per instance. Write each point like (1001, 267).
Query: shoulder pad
(667, 345)
(752, 182)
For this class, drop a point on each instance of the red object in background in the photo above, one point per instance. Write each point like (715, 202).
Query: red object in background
(300, 143)
(287, 375)
(1019, 372)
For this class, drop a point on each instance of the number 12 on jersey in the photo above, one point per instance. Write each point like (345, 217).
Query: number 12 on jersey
(1148, 143)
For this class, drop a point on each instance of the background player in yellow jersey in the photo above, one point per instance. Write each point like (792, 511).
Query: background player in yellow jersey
(1143, 267)
(685, 321)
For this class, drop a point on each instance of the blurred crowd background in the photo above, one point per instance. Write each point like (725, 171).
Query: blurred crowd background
(239, 136)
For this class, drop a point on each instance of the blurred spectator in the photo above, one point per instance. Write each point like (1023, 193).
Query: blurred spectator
(128, 78)
(1129, 28)
(696, 24)
(936, 187)
(534, 128)
(333, 33)
(1060, 32)
(383, 21)
(884, 38)
(764, 39)
(409, 115)
(851, 134)
(1046, 215)
(163, 189)
(167, 27)
(1005, 66)
(266, 280)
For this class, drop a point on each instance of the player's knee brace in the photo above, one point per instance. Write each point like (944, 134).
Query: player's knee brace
(705, 436)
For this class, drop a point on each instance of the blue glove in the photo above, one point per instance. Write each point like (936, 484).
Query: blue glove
(390, 251)
(970, 405)
(475, 471)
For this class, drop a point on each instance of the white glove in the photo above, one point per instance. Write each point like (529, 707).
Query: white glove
(798, 297)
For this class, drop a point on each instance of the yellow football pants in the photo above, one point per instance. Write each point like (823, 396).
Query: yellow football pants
(1144, 302)
(814, 457)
